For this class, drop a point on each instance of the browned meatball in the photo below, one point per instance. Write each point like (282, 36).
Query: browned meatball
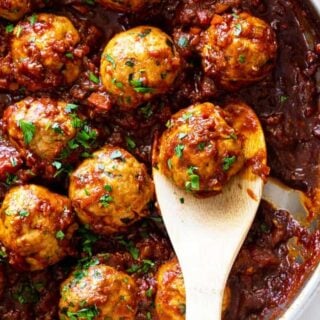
(36, 227)
(200, 151)
(171, 297)
(127, 5)
(139, 64)
(238, 50)
(111, 190)
(10, 159)
(14, 9)
(101, 291)
(42, 50)
(43, 126)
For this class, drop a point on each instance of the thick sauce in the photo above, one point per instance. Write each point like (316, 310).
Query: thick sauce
(278, 253)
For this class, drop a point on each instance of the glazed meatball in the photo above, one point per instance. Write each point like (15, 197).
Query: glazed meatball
(200, 151)
(36, 227)
(102, 290)
(14, 9)
(10, 159)
(139, 64)
(127, 5)
(171, 297)
(238, 50)
(43, 52)
(41, 125)
(111, 190)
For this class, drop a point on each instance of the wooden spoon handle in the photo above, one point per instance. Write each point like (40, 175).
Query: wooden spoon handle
(207, 235)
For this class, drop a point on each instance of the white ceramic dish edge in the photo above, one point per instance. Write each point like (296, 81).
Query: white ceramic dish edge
(311, 289)
(285, 198)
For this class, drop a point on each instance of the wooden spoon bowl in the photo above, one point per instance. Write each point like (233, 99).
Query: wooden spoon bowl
(207, 233)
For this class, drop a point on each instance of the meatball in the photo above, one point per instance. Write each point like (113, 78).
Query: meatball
(36, 227)
(127, 5)
(41, 125)
(200, 151)
(139, 64)
(14, 9)
(101, 290)
(10, 159)
(111, 190)
(171, 297)
(42, 50)
(238, 50)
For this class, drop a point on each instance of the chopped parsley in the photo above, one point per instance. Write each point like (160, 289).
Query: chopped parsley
(18, 30)
(9, 28)
(129, 245)
(187, 115)
(105, 200)
(193, 184)
(56, 128)
(88, 240)
(237, 29)
(242, 58)
(93, 78)
(71, 107)
(26, 292)
(13, 161)
(108, 188)
(23, 213)
(33, 19)
(179, 150)
(69, 55)
(88, 313)
(138, 85)
(168, 124)
(28, 130)
(146, 110)
(111, 60)
(60, 235)
(183, 42)
(202, 146)
(10, 179)
(228, 162)
(145, 267)
(283, 99)
(233, 136)
(130, 143)
(149, 293)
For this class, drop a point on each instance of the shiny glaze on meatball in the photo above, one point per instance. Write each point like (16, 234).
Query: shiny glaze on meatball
(200, 151)
(101, 290)
(171, 296)
(237, 50)
(36, 227)
(43, 126)
(139, 64)
(111, 190)
(14, 9)
(43, 52)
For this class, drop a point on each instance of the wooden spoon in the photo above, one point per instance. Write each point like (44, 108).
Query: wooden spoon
(208, 233)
